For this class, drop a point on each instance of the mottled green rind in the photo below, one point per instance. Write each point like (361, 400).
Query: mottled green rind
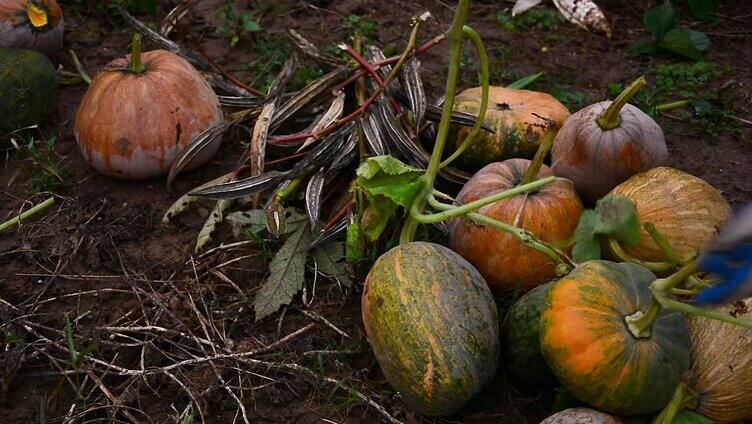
(433, 326)
(643, 373)
(522, 352)
(508, 142)
(28, 88)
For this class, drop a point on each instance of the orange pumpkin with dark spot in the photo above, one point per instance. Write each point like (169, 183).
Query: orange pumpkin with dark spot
(586, 342)
(31, 24)
(132, 124)
(603, 144)
(518, 117)
(550, 214)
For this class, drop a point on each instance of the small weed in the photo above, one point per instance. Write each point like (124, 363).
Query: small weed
(669, 36)
(573, 100)
(236, 24)
(359, 25)
(541, 18)
(271, 53)
(41, 163)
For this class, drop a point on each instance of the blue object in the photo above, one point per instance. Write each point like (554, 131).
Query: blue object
(729, 257)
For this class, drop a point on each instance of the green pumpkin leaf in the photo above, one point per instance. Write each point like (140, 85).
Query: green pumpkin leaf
(703, 10)
(614, 216)
(618, 219)
(686, 42)
(661, 19)
(685, 416)
(526, 81)
(287, 274)
(643, 46)
(356, 244)
(386, 164)
(328, 261)
(587, 247)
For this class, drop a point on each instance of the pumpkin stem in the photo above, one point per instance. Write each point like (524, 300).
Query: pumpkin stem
(662, 241)
(136, 66)
(684, 397)
(640, 322)
(611, 117)
(534, 168)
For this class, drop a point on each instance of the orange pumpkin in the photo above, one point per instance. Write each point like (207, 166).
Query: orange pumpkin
(31, 24)
(132, 124)
(587, 344)
(550, 213)
(603, 144)
(685, 208)
(518, 117)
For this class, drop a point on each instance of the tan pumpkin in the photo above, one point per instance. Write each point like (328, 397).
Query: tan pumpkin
(581, 416)
(721, 365)
(605, 143)
(31, 24)
(685, 208)
(550, 213)
(134, 121)
(519, 118)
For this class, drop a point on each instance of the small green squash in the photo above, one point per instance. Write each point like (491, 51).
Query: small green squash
(522, 351)
(588, 346)
(433, 326)
(28, 89)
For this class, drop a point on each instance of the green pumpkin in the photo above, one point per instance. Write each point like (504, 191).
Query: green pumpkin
(433, 326)
(588, 346)
(28, 89)
(522, 352)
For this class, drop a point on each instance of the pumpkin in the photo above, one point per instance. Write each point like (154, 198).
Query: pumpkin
(721, 370)
(433, 326)
(551, 214)
(28, 89)
(603, 144)
(522, 353)
(581, 416)
(518, 117)
(685, 208)
(585, 341)
(139, 114)
(31, 24)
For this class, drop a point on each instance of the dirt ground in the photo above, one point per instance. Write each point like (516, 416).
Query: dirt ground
(101, 257)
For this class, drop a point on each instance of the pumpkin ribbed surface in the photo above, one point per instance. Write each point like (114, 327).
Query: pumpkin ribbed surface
(551, 214)
(722, 365)
(597, 160)
(433, 326)
(589, 348)
(685, 208)
(581, 416)
(512, 114)
(134, 125)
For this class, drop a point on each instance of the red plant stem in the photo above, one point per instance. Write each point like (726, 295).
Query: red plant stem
(368, 66)
(285, 159)
(241, 84)
(360, 73)
(342, 212)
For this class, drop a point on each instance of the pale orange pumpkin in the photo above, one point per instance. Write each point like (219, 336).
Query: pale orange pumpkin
(551, 214)
(518, 117)
(132, 124)
(605, 143)
(685, 208)
(31, 24)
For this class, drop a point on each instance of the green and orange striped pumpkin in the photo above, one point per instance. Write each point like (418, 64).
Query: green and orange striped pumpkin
(588, 346)
(433, 326)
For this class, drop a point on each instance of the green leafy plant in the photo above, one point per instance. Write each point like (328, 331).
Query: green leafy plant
(41, 163)
(614, 216)
(236, 24)
(360, 25)
(287, 268)
(572, 99)
(669, 36)
(539, 18)
(271, 51)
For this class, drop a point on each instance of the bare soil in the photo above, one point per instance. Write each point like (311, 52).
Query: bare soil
(101, 257)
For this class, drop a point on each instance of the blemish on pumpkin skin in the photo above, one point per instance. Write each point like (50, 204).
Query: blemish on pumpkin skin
(123, 144)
